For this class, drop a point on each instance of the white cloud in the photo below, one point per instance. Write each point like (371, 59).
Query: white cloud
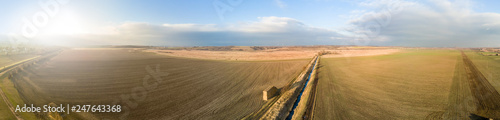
(433, 23)
(266, 31)
(280, 3)
(270, 24)
(191, 27)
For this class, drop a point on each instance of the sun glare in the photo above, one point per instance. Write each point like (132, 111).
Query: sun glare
(66, 24)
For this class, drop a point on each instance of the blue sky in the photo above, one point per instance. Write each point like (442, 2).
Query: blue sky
(427, 23)
(317, 13)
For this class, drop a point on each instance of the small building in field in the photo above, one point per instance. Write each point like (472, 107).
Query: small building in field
(269, 93)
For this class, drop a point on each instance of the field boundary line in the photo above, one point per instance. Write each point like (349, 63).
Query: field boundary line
(312, 105)
(8, 68)
(261, 113)
(303, 101)
(4, 96)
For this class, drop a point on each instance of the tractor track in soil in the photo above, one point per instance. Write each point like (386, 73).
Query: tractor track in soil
(486, 98)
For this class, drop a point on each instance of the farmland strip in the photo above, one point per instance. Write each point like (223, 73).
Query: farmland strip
(487, 99)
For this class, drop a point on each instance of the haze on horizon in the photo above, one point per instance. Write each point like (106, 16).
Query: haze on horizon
(414, 23)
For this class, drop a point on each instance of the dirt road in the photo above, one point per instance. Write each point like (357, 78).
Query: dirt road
(486, 98)
(11, 108)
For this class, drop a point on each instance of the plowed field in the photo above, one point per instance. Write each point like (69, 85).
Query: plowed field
(185, 89)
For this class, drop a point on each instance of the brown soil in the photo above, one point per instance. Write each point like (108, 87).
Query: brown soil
(408, 85)
(189, 89)
(282, 54)
(357, 53)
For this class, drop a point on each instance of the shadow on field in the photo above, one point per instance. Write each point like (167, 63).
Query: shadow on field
(477, 117)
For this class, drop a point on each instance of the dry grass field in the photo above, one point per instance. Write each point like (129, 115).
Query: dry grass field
(7, 60)
(356, 52)
(485, 86)
(5, 113)
(7, 87)
(239, 55)
(460, 100)
(411, 84)
(189, 89)
(352, 84)
(275, 54)
(489, 66)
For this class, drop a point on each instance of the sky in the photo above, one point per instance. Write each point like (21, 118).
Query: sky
(412, 23)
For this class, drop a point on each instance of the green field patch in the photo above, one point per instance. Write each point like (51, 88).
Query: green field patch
(489, 67)
(14, 97)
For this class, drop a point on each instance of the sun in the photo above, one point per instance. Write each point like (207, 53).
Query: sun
(67, 23)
